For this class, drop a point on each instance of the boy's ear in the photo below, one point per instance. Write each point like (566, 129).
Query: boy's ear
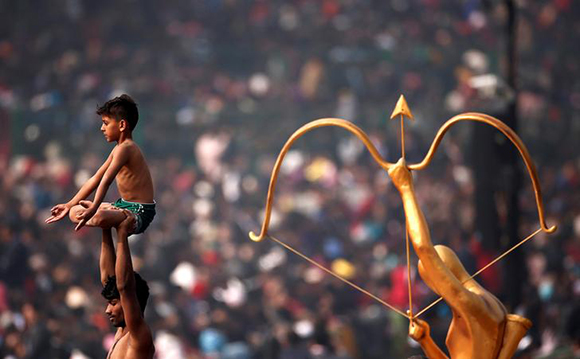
(123, 125)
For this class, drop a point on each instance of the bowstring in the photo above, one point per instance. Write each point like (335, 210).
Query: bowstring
(313, 262)
(411, 316)
(484, 268)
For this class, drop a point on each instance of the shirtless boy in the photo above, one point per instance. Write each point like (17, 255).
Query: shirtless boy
(127, 294)
(126, 165)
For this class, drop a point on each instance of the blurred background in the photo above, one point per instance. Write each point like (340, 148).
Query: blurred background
(221, 85)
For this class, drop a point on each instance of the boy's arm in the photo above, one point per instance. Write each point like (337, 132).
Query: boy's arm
(107, 259)
(92, 183)
(139, 332)
(120, 156)
(60, 210)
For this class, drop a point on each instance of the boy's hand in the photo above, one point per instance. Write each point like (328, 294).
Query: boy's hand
(85, 215)
(57, 213)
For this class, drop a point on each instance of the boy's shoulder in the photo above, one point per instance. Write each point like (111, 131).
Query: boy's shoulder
(126, 146)
(127, 149)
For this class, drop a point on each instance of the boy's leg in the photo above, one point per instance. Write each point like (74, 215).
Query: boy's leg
(107, 216)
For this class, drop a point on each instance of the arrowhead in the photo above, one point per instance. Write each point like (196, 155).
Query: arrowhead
(402, 109)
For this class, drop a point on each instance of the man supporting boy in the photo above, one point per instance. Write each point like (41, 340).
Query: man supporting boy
(126, 165)
(126, 294)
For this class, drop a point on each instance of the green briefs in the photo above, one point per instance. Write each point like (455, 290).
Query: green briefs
(144, 213)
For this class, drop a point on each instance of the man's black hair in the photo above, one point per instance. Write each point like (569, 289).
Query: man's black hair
(121, 108)
(111, 292)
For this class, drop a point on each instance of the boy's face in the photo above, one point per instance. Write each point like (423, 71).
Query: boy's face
(111, 128)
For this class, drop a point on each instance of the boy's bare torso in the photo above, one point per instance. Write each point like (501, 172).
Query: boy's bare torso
(134, 179)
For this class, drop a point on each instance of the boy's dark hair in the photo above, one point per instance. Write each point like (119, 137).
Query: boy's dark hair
(111, 292)
(121, 108)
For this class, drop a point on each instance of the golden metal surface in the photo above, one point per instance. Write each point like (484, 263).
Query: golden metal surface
(324, 122)
(478, 117)
(481, 327)
(509, 133)
(401, 108)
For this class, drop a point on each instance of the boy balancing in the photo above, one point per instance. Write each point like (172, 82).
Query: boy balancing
(126, 165)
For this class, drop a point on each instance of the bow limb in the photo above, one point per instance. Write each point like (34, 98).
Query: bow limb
(514, 138)
(324, 122)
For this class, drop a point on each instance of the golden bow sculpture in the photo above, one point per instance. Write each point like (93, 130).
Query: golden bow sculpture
(402, 109)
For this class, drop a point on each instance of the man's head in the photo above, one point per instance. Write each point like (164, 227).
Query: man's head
(120, 112)
(114, 309)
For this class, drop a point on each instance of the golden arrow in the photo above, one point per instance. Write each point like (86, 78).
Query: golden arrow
(402, 109)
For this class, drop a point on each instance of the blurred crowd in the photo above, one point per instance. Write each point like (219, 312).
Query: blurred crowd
(221, 84)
